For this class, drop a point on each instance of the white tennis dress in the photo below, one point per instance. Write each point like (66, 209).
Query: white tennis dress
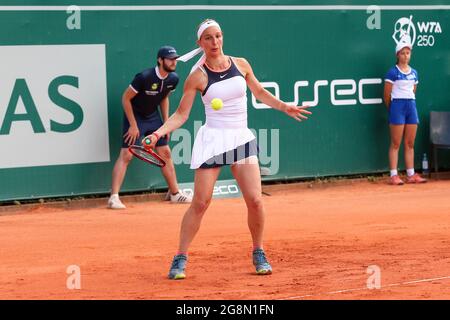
(226, 129)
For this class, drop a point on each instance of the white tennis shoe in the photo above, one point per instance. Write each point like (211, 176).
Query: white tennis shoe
(115, 203)
(180, 197)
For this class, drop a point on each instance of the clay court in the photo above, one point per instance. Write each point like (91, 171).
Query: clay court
(320, 239)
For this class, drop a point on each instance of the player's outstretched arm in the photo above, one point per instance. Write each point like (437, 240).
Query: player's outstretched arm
(297, 112)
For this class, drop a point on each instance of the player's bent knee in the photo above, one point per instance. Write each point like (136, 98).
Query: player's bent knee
(255, 203)
(200, 205)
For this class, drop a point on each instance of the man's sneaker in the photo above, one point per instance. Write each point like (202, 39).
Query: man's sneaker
(415, 178)
(395, 180)
(260, 262)
(178, 266)
(115, 203)
(180, 197)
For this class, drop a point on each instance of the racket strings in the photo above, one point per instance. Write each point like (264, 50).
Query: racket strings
(149, 157)
(145, 155)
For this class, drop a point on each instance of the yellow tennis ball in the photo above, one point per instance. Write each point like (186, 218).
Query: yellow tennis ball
(216, 104)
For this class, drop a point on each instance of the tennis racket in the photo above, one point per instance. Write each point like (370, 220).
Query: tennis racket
(147, 154)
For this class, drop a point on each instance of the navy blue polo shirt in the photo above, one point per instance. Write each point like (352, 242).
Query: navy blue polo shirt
(151, 89)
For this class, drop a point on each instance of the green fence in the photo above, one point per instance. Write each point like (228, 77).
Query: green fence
(62, 74)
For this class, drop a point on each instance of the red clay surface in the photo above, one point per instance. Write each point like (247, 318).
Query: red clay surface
(320, 240)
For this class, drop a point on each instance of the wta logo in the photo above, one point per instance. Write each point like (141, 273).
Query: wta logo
(404, 27)
(425, 32)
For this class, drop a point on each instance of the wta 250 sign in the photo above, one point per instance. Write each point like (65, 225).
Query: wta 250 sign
(53, 105)
(421, 33)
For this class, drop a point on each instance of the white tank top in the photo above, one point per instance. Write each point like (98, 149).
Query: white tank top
(229, 86)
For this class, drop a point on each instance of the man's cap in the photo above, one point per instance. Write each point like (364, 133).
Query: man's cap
(167, 52)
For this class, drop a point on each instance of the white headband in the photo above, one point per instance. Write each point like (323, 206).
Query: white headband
(188, 56)
(205, 25)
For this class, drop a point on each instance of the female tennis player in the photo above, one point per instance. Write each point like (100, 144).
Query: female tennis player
(223, 140)
(399, 96)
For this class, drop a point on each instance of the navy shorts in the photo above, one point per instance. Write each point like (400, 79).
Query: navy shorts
(228, 158)
(146, 126)
(403, 111)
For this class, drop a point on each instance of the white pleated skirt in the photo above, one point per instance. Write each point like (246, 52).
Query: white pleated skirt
(211, 142)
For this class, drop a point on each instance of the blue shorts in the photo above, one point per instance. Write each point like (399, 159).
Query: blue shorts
(403, 111)
(146, 126)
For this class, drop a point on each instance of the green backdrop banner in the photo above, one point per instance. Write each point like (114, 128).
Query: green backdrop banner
(63, 71)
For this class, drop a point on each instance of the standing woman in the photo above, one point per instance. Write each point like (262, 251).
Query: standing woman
(399, 96)
(223, 140)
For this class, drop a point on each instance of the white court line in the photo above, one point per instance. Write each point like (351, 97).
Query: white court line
(361, 289)
(223, 8)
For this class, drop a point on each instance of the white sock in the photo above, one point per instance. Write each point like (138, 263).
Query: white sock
(114, 195)
(394, 172)
(410, 172)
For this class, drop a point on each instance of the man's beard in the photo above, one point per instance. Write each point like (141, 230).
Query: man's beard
(167, 69)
